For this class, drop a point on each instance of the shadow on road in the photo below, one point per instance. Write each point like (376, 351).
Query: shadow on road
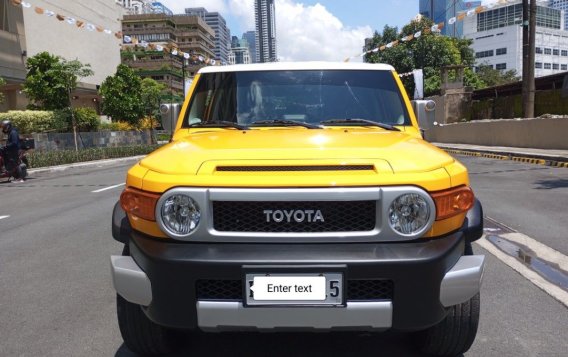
(294, 344)
(551, 184)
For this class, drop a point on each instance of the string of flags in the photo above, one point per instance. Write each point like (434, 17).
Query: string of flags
(433, 29)
(126, 40)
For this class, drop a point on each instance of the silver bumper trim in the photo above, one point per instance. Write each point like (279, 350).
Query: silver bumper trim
(130, 281)
(463, 281)
(232, 315)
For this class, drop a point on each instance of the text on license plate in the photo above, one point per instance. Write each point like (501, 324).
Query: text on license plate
(276, 288)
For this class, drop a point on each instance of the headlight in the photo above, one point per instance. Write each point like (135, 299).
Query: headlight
(179, 215)
(409, 214)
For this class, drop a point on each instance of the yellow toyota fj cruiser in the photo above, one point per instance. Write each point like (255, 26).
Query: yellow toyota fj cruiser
(298, 197)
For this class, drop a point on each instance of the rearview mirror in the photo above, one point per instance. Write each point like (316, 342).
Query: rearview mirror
(170, 114)
(425, 111)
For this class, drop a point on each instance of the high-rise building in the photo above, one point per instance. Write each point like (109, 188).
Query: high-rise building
(239, 51)
(265, 34)
(222, 32)
(443, 10)
(189, 34)
(561, 5)
(140, 7)
(24, 33)
(497, 38)
(250, 37)
(160, 8)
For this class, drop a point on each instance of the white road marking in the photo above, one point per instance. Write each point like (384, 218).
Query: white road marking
(542, 252)
(107, 188)
(2, 217)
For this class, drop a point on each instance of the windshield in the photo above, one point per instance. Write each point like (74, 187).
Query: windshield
(300, 96)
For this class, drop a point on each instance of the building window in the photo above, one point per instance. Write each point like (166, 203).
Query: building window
(501, 66)
(513, 14)
(556, 52)
(501, 51)
(539, 50)
(564, 67)
(564, 53)
(555, 66)
(538, 65)
(484, 54)
(547, 66)
(547, 51)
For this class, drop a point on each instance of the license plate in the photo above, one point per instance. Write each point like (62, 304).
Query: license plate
(294, 289)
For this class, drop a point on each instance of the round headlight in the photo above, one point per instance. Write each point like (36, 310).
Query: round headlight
(409, 214)
(180, 215)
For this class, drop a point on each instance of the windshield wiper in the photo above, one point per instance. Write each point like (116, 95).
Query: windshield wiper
(219, 124)
(282, 122)
(359, 121)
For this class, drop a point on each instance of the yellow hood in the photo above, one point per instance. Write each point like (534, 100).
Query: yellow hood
(203, 151)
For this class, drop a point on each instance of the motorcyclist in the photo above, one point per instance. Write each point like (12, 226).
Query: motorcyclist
(10, 151)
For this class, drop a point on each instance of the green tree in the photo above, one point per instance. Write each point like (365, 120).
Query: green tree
(151, 95)
(430, 52)
(122, 95)
(2, 82)
(495, 77)
(50, 80)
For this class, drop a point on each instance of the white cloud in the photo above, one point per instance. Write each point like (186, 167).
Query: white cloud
(303, 32)
(313, 33)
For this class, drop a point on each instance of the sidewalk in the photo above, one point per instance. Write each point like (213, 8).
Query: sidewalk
(557, 158)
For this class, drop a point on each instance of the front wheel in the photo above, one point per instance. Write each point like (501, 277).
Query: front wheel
(455, 334)
(139, 333)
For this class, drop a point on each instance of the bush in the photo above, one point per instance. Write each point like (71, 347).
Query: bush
(86, 119)
(30, 121)
(148, 123)
(40, 121)
(144, 124)
(61, 157)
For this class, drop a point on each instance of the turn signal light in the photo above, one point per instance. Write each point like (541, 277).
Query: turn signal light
(452, 202)
(139, 203)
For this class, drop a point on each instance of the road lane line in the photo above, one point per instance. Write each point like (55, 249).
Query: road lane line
(107, 188)
(2, 217)
(535, 278)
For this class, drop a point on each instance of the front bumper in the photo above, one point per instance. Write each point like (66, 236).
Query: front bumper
(427, 277)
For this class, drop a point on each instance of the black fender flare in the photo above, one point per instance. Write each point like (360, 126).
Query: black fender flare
(473, 223)
(121, 228)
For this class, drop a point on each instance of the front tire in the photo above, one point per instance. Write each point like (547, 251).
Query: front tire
(455, 334)
(139, 333)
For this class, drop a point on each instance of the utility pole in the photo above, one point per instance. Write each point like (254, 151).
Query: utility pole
(532, 43)
(529, 33)
(525, 78)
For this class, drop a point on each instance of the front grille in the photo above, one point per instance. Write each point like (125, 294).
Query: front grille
(357, 290)
(370, 290)
(219, 290)
(251, 216)
(296, 168)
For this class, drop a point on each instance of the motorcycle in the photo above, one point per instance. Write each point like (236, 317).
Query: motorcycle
(17, 170)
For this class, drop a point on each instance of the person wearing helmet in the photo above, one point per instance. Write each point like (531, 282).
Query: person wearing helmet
(9, 152)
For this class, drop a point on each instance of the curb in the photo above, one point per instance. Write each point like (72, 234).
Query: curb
(83, 164)
(532, 159)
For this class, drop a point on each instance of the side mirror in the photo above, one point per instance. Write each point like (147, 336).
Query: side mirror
(425, 111)
(170, 114)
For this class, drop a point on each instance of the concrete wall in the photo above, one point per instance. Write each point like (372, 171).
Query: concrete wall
(550, 133)
(65, 141)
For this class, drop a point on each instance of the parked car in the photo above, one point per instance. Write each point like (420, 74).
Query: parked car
(299, 197)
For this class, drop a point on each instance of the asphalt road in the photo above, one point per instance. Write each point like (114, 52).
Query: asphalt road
(56, 297)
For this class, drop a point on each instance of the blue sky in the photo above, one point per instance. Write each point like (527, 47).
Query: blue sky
(328, 30)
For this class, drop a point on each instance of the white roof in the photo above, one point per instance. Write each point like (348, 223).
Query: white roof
(295, 66)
